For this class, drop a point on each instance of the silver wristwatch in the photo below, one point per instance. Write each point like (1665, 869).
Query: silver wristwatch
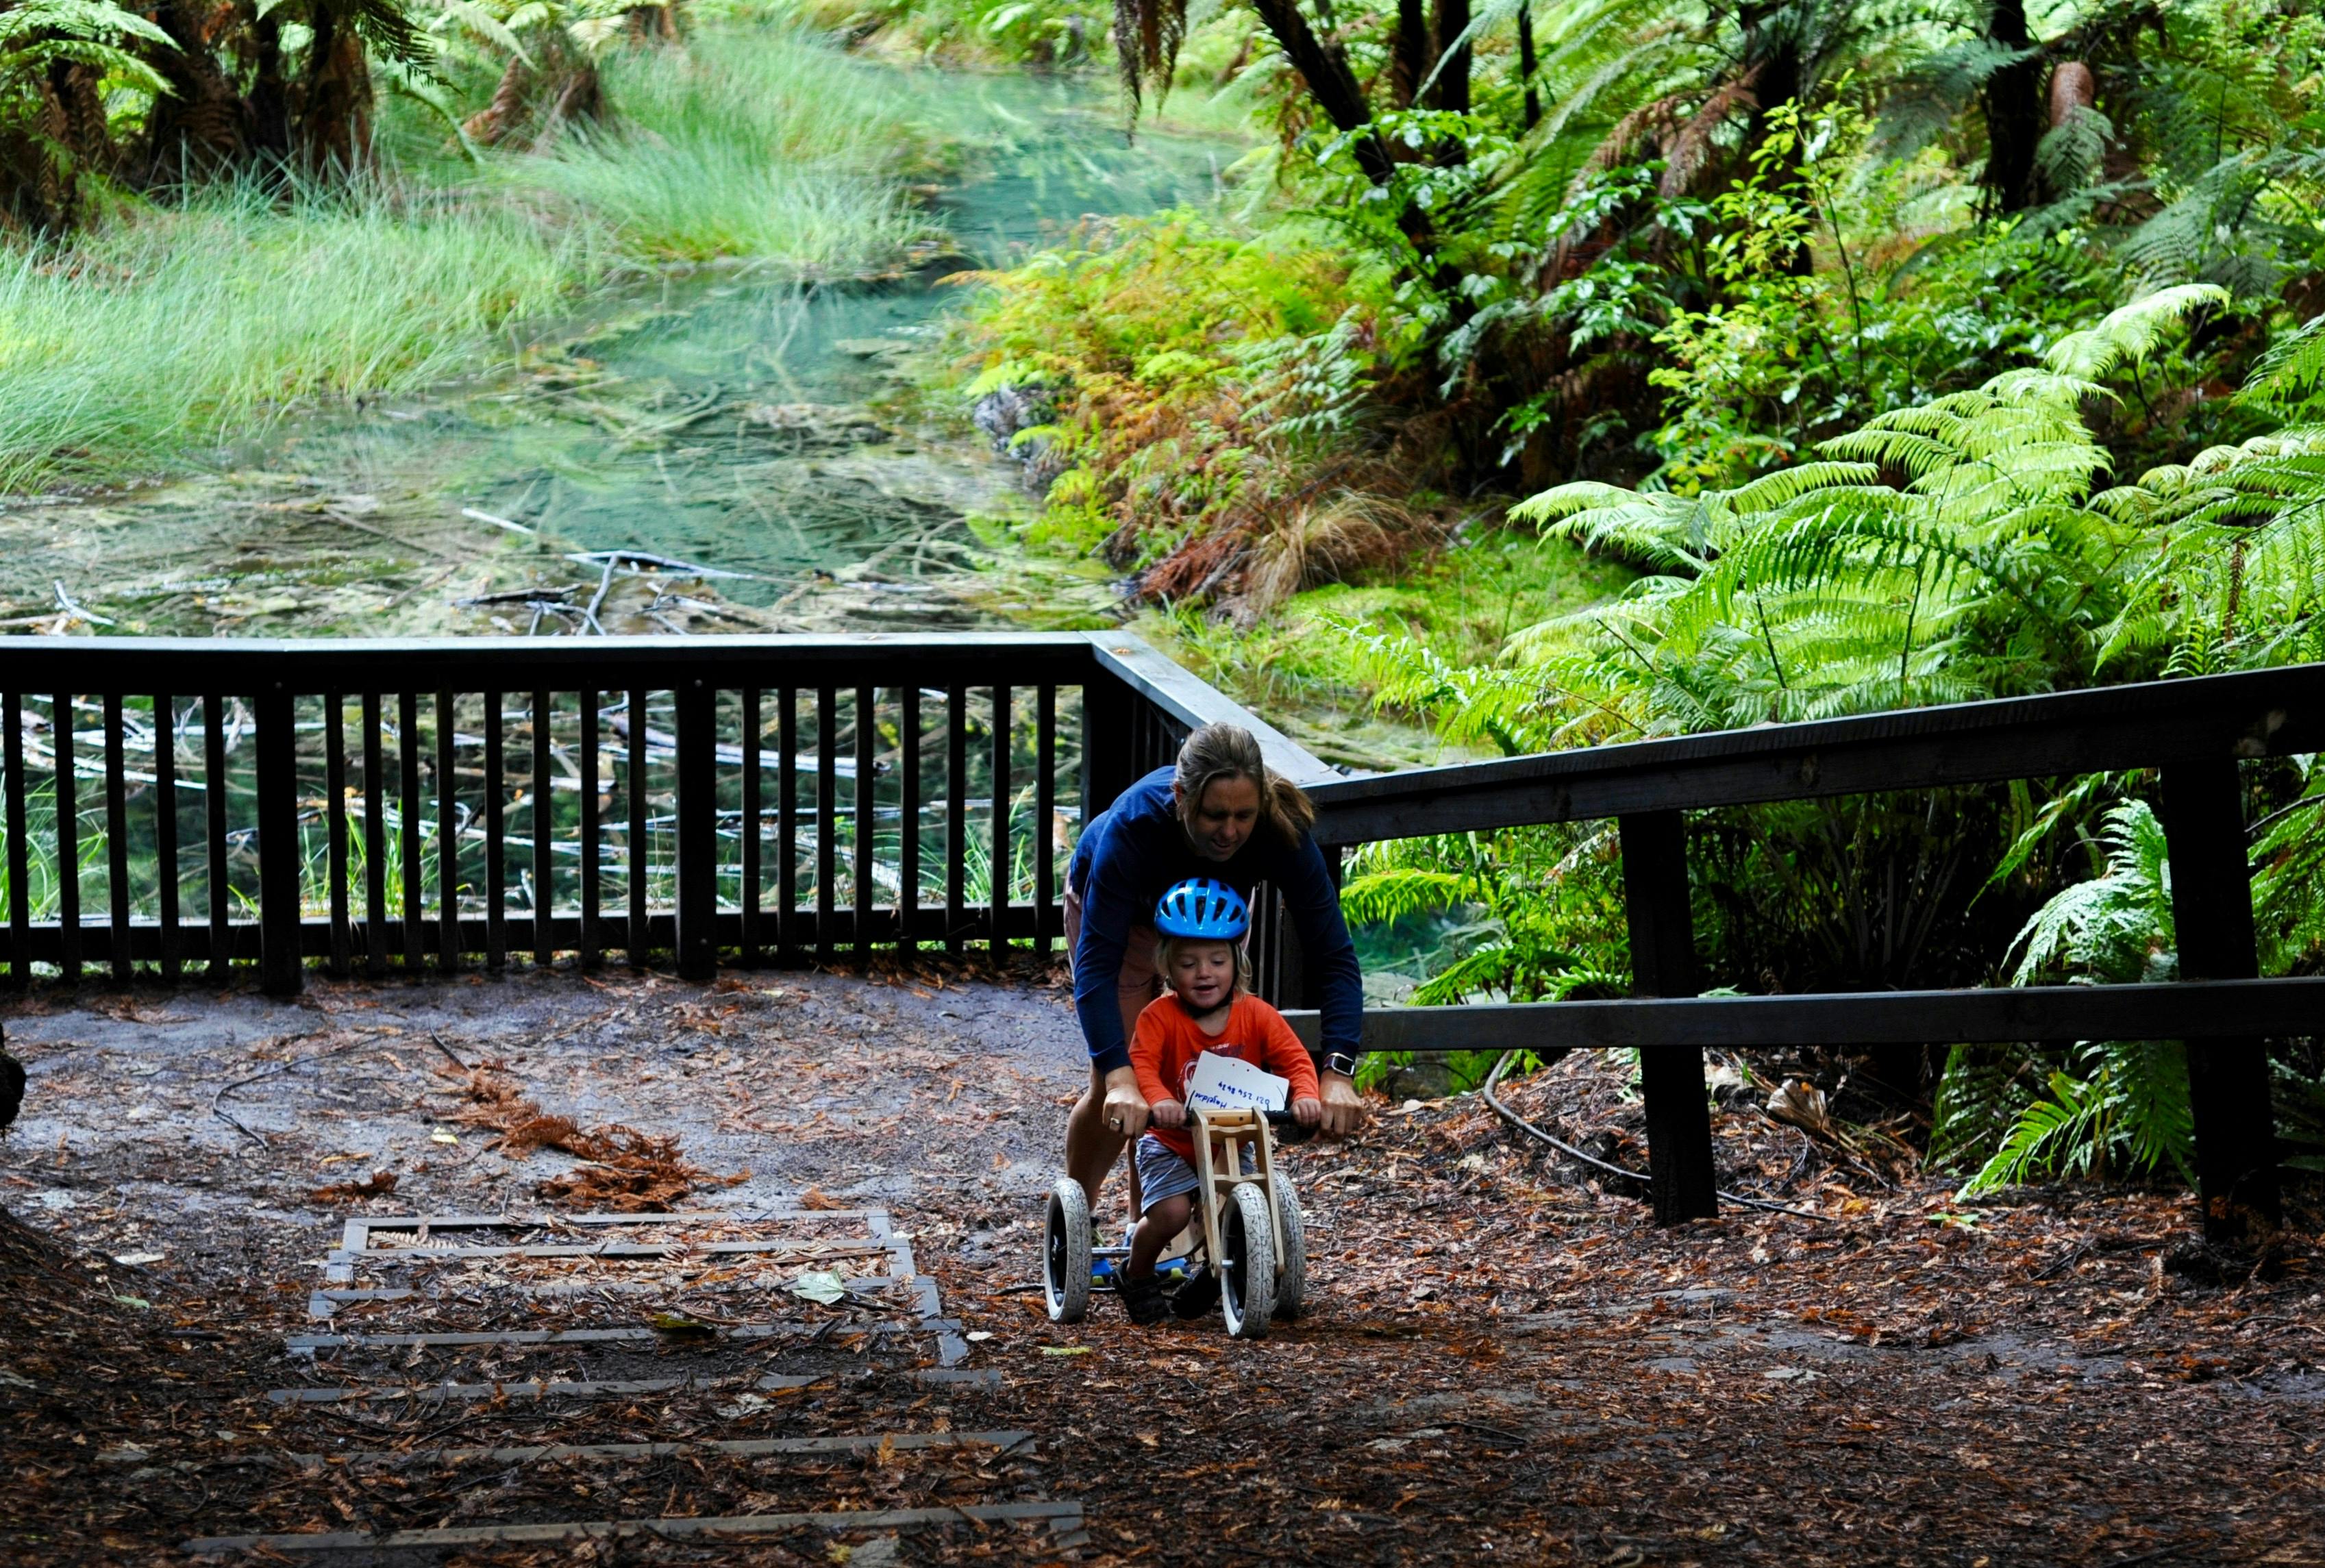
(1341, 1062)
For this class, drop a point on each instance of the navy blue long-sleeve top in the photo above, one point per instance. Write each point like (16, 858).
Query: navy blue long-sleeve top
(1130, 856)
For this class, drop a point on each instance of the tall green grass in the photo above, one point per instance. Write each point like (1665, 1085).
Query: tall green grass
(173, 329)
(754, 141)
(170, 330)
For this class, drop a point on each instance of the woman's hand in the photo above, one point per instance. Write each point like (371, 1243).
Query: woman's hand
(1168, 1113)
(1125, 1112)
(1306, 1112)
(1344, 1113)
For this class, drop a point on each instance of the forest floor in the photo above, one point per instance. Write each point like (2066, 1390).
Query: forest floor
(1501, 1363)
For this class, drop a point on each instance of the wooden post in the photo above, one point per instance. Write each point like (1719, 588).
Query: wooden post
(279, 856)
(2227, 1078)
(1662, 964)
(697, 830)
(1110, 734)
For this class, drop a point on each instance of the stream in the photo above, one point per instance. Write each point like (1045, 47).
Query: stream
(739, 423)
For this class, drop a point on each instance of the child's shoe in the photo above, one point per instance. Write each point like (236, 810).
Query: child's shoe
(1142, 1298)
(1196, 1297)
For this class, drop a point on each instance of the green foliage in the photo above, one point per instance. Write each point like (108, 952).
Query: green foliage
(2116, 927)
(1954, 550)
(1199, 372)
(1524, 915)
(2124, 1108)
(2108, 1107)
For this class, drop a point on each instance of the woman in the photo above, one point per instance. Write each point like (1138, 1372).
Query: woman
(1220, 813)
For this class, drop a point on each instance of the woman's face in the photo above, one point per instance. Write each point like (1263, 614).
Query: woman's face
(1203, 974)
(1223, 819)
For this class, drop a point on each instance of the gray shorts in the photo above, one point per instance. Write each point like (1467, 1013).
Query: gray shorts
(1162, 1174)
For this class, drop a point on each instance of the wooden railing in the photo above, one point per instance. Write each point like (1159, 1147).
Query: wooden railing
(2193, 731)
(414, 807)
(443, 803)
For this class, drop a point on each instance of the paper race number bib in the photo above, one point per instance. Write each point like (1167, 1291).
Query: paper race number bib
(1224, 1082)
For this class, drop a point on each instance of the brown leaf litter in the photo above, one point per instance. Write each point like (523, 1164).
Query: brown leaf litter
(378, 1185)
(621, 1168)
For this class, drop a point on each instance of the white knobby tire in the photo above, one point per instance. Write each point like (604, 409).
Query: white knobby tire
(1066, 1253)
(1291, 1268)
(1247, 1272)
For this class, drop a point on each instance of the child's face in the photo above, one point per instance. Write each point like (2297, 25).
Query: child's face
(1203, 974)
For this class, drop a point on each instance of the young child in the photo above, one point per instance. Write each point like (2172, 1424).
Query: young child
(1211, 1007)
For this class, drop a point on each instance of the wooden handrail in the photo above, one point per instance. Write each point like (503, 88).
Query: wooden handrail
(2153, 724)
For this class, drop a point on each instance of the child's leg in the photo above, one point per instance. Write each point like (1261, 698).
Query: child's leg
(1165, 1219)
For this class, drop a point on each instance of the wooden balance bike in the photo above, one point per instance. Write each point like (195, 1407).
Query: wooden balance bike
(1247, 1222)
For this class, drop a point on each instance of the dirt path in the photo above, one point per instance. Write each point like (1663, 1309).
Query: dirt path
(1500, 1364)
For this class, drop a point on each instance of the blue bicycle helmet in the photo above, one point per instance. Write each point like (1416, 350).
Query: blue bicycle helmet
(1203, 907)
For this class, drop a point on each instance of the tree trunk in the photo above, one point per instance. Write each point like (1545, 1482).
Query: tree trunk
(1526, 63)
(270, 95)
(199, 127)
(1453, 91)
(1338, 93)
(335, 109)
(2012, 101)
(1409, 61)
(1772, 57)
(1330, 83)
(511, 104)
(562, 85)
(79, 93)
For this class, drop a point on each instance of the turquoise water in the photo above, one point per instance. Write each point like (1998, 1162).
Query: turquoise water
(714, 417)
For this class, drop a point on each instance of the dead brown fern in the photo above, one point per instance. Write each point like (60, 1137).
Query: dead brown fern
(622, 1168)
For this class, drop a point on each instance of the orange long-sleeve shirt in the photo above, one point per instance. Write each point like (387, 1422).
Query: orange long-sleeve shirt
(1168, 1041)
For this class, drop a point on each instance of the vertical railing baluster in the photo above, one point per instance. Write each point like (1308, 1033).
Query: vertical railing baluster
(593, 941)
(752, 831)
(826, 814)
(1001, 858)
(213, 814)
(695, 828)
(544, 831)
(166, 831)
(956, 819)
(374, 842)
(282, 856)
(410, 804)
(495, 838)
(335, 828)
(867, 805)
(68, 840)
(447, 834)
(1045, 814)
(641, 850)
(117, 842)
(908, 817)
(787, 934)
(20, 888)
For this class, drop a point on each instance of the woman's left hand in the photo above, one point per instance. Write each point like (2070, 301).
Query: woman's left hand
(1344, 1113)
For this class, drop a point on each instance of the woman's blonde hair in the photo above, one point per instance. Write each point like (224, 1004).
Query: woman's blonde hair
(1229, 751)
(1166, 950)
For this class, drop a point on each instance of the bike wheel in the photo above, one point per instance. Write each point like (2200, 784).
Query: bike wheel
(1247, 1271)
(1066, 1253)
(1291, 1268)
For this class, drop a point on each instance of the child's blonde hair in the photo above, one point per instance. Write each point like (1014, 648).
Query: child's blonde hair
(1166, 950)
